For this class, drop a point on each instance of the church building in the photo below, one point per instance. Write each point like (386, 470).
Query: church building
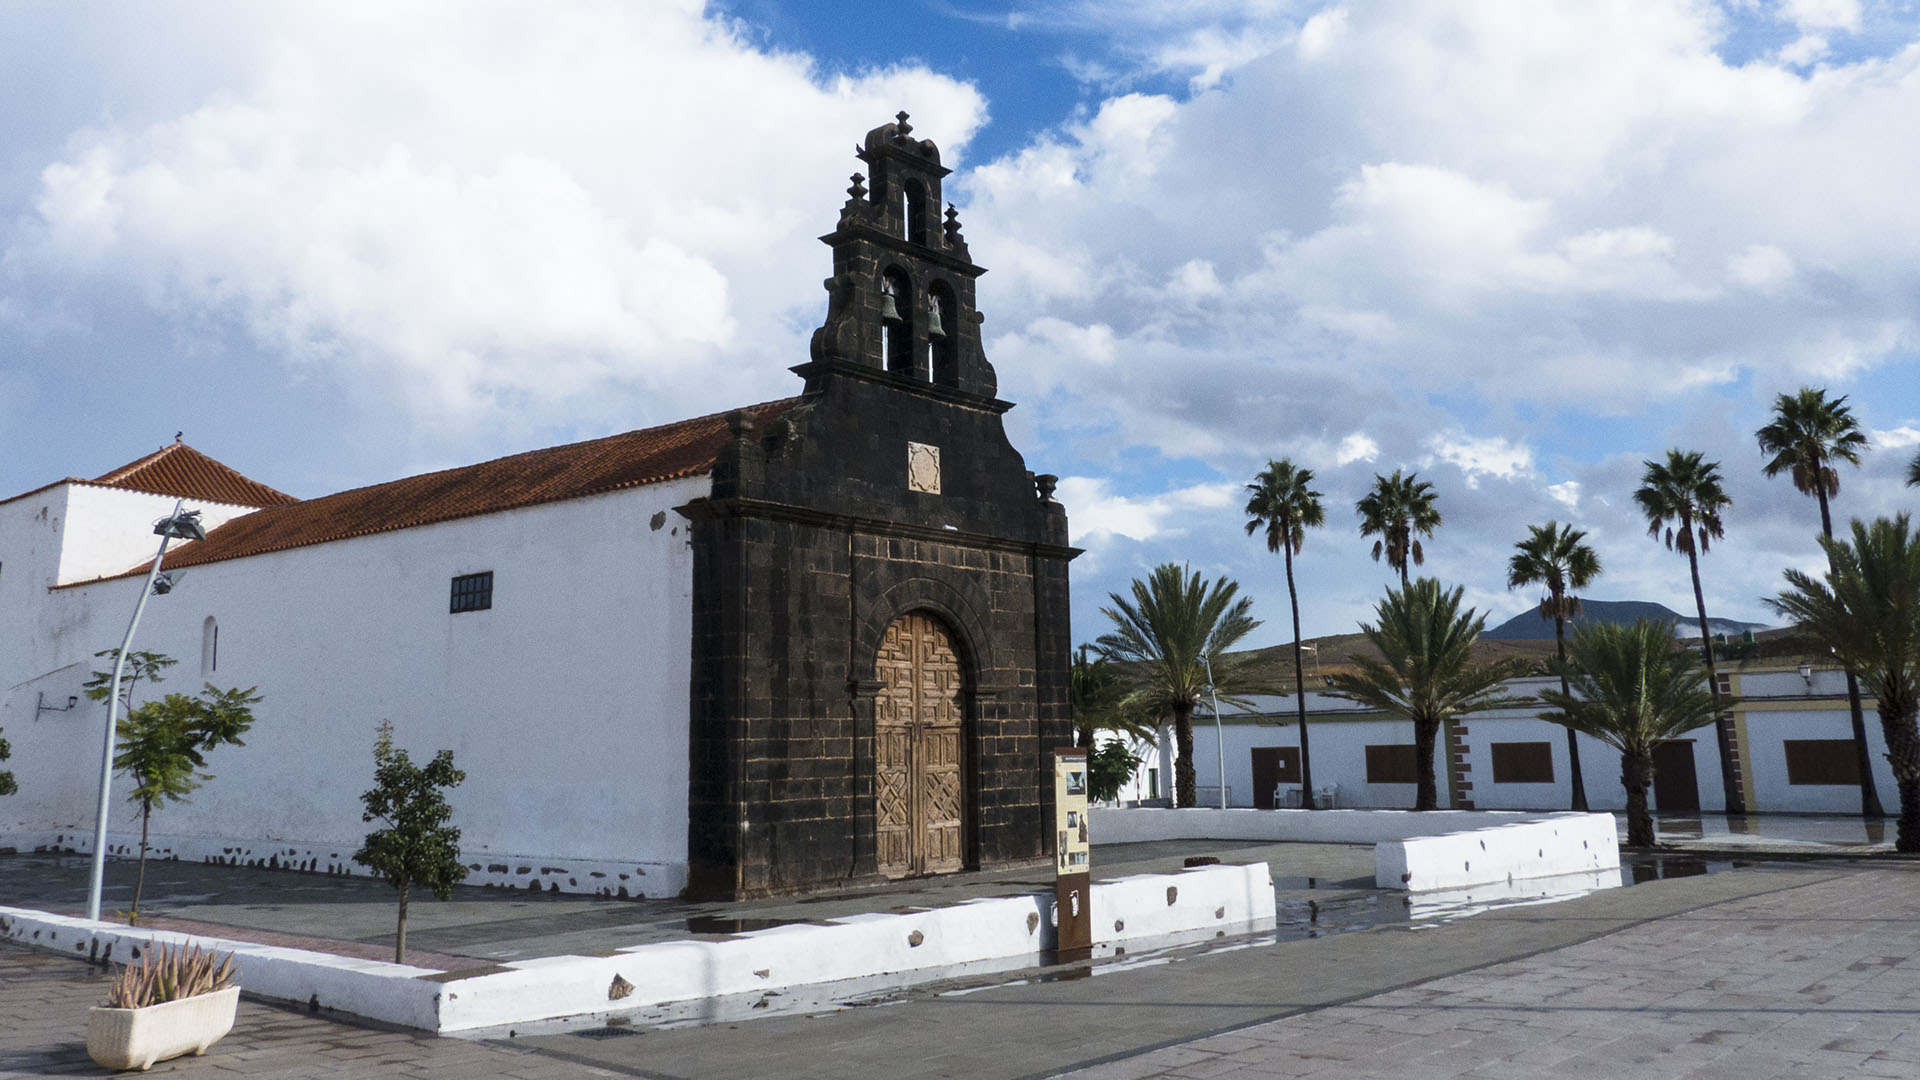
(806, 643)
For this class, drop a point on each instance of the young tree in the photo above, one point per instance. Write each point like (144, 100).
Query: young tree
(140, 665)
(1635, 689)
(1395, 510)
(1867, 611)
(1682, 496)
(1429, 676)
(1109, 766)
(1175, 625)
(417, 847)
(1558, 557)
(162, 745)
(1282, 501)
(1809, 434)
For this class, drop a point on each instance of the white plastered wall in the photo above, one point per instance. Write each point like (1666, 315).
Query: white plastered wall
(1786, 705)
(566, 703)
(1339, 734)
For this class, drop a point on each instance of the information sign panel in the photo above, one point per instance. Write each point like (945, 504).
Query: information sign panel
(1072, 851)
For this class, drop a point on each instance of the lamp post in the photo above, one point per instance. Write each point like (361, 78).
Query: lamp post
(1219, 741)
(179, 525)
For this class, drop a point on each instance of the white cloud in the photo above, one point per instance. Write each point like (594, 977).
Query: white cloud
(1896, 438)
(464, 212)
(1566, 493)
(1096, 511)
(1493, 455)
(1760, 267)
(1804, 50)
(1356, 447)
(1822, 14)
(1550, 203)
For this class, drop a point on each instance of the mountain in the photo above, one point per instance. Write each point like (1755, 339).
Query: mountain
(1528, 625)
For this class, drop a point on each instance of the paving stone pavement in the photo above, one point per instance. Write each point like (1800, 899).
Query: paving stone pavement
(1818, 981)
(44, 999)
(1803, 972)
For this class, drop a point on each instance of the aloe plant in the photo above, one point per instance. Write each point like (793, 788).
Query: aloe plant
(169, 973)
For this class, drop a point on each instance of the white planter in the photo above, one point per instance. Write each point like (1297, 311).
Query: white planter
(136, 1038)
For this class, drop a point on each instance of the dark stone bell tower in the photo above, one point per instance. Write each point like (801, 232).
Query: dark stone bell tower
(880, 653)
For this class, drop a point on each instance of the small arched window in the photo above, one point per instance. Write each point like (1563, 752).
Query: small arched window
(914, 210)
(896, 322)
(209, 646)
(943, 350)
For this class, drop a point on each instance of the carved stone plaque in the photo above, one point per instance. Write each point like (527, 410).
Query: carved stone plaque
(923, 468)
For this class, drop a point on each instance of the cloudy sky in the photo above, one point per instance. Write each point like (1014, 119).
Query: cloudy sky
(1519, 247)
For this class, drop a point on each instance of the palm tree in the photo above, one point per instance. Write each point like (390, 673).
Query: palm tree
(1683, 497)
(1808, 435)
(1396, 509)
(1635, 690)
(1282, 501)
(1868, 612)
(1175, 626)
(1913, 470)
(1100, 691)
(1428, 676)
(1558, 557)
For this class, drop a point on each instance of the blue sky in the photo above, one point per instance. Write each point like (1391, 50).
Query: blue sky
(1518, 247)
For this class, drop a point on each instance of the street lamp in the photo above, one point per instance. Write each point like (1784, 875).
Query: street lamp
(1219, 742)
(179, 525)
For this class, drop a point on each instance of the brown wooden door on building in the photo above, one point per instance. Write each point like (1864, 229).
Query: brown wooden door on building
(919, 782)
(1675, 787)
(1273, 766)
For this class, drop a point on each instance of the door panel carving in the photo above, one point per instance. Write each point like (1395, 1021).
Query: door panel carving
(920, 788)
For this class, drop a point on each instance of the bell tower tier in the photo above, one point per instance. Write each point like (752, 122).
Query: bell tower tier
(901, 298)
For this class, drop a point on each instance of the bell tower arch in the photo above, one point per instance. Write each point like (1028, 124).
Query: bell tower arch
(901, 298)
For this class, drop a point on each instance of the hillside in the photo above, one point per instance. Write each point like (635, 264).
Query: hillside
(1529, 626)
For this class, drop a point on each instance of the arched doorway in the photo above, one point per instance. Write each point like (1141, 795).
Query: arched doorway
(919, 782)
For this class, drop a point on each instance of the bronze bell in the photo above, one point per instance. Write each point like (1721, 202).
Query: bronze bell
(889, 311)
(934, 329)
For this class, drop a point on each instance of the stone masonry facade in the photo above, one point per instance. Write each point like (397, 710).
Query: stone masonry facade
(888, 488)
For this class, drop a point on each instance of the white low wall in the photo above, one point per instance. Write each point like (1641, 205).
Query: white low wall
(1413, 850)
(1204, 900)
(1562, 844)
(395, 993)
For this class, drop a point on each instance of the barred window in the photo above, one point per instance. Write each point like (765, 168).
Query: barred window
(472, 592)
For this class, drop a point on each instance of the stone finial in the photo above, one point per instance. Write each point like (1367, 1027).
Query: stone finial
(1044, 483)
(952, 226)
(900, 119)
(859, 188)
(740, 423)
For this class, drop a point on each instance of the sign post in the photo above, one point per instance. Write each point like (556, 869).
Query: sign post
(1072, 886)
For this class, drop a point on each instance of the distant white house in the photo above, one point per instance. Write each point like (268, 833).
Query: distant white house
(1792, 732)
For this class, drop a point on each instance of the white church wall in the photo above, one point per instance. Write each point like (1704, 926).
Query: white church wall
(110, 530)
(566, 703)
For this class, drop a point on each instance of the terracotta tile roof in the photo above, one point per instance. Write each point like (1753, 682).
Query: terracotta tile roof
(179, 470)
(634, 459)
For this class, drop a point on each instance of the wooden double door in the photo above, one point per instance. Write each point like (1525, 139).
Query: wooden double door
(919, 750)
